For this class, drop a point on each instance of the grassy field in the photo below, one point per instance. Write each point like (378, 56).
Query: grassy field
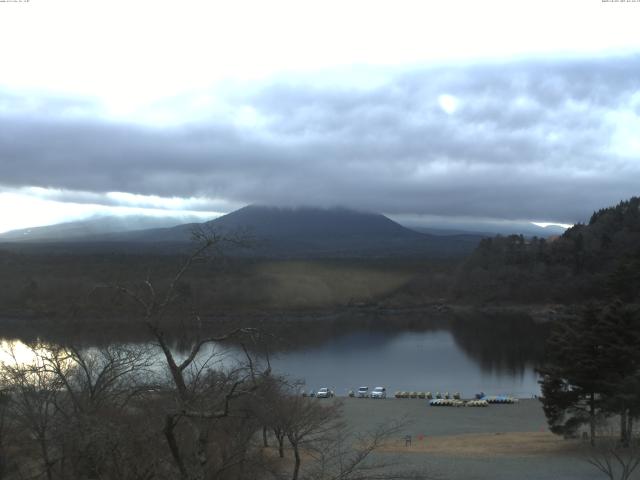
(65, 284)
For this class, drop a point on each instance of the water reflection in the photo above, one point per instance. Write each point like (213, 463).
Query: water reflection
(415, 352)
(503, 344)
(413, 361)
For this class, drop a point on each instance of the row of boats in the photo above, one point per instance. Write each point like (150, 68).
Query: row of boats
(427, 395)
(455, 400)
(478, 402)
(450, 402)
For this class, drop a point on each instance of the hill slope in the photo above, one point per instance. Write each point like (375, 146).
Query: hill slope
(596, 260)
(91, 228)
(294, 233)
(316, 232)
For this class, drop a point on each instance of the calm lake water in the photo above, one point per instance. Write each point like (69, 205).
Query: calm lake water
(495, 355)
(413, 361)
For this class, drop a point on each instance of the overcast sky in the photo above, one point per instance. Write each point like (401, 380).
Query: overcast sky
(493, 110)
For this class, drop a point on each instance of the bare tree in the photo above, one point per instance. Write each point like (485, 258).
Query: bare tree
(99, 376)
(74, 406)
(613, 456)
(345, 455)
(614, 459)
(4, 403)
(306, 421)
(201, 395)
(272, 409)
(33, 396)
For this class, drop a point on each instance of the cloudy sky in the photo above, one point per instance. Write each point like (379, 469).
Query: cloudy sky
(491, 111)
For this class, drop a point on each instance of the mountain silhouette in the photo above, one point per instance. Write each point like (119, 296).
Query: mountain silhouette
(300, 232)
(92, 227)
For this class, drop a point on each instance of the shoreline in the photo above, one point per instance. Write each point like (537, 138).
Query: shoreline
(500, 442)
(541, 312)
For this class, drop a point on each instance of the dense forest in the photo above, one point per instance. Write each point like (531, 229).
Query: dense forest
(589, 261)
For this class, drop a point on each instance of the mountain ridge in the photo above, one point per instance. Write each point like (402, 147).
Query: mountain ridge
(300, 232)
(92, 226)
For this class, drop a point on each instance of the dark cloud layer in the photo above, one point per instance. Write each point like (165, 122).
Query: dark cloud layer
(529, 140)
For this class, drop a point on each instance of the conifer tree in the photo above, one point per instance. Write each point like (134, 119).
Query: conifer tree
(571, 378)
(592, 371)
(619, 328)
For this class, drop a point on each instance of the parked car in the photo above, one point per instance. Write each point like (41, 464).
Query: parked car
(363, 392)
(379, 392)
(324, 392)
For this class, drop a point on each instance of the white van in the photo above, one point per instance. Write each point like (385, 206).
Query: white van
(324, 392)
(379, 392)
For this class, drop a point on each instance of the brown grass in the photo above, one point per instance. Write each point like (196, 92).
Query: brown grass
(314, 284)
(488, 444)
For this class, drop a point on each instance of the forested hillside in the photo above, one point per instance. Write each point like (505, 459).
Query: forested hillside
(592, 261)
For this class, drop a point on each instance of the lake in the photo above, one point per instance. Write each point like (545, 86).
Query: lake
(495, 355)
(412, 361)
(471, 354)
